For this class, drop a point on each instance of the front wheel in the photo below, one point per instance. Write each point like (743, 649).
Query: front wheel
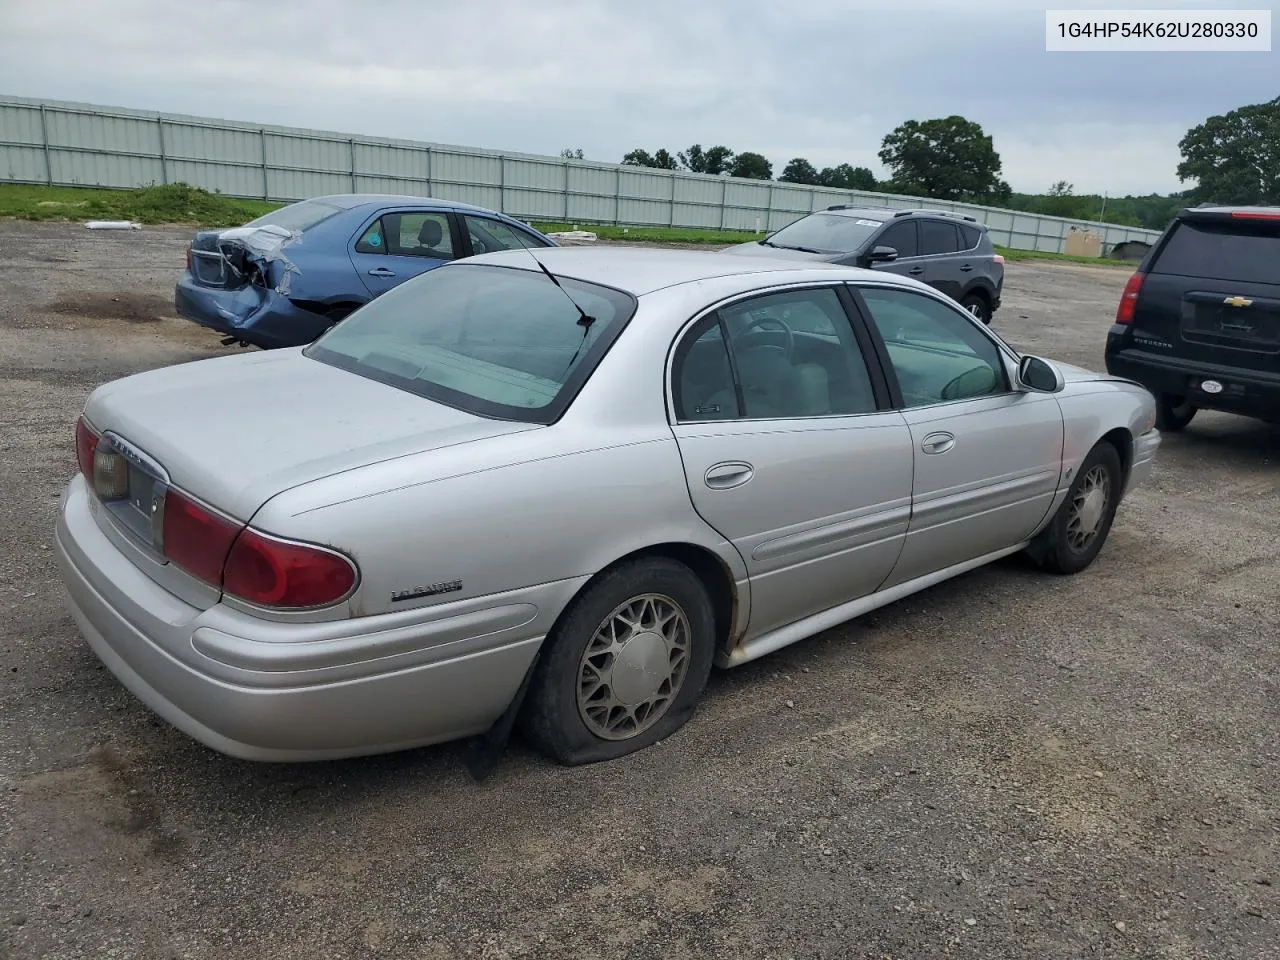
(625, 665)
(1080, 527)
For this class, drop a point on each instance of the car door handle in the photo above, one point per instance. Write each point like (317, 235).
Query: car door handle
(381, 272)
(938, 443)
(916, 270)
(967, 267)
(724, 476)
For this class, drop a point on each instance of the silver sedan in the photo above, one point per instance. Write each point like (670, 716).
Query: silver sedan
(555, 488)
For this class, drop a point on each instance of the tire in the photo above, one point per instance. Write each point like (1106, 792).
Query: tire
(976, 304)
(1173, 413)
(1059, 548)
(574, 729)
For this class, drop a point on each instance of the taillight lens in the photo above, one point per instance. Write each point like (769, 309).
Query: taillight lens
(999, 258)
(277, 573)
(1129, 299)
(86, 446)
(196, 539)
(1254, 215)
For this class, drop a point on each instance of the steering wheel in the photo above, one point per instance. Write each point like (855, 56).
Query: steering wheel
(791, 336)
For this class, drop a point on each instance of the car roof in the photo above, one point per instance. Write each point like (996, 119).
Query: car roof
(1229, 210)
(885, 214)
(349, 201)
(639, 270)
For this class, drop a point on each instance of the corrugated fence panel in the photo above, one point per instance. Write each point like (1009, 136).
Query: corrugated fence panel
(117, 147)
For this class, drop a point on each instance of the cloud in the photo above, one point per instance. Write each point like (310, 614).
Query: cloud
(823, 79)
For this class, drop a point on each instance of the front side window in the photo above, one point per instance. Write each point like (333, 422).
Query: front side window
(490, 235)
(902, 237)
(412, 234)
(779, 356)
(495, 341)
(937, 353)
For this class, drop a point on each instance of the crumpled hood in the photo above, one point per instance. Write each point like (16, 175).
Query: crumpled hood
(236, 431)
(755, 249)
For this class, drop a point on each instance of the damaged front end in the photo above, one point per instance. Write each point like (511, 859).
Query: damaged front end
(238, 282)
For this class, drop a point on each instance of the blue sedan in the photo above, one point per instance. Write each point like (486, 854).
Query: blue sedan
(285, 278)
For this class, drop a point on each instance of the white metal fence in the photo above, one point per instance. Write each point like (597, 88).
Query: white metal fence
(74, 144)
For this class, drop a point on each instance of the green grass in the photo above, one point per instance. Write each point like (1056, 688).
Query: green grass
(1015, 255)
(172, 203)
(654, 234)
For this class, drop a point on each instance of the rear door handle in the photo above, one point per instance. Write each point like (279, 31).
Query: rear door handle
(967, 267)
(381, 272)
(916, 270)
(724, 476)
(938, 443)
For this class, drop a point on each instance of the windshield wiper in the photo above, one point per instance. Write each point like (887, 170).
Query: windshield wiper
(766, 243)
(801, 249)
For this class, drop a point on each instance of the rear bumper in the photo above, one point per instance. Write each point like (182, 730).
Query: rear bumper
(273, 691)
(1250, 393)
(254, 314)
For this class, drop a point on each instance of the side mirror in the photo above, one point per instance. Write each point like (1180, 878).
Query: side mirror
(881, 254)
(1039, 376)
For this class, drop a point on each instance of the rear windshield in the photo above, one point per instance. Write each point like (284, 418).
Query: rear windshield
(494, 341)
(826, 233)
(1224, 251)
(298, 216)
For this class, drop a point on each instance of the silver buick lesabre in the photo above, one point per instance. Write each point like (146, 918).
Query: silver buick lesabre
(555, 488)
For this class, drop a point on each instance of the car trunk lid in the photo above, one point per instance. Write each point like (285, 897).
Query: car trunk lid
(236, 431)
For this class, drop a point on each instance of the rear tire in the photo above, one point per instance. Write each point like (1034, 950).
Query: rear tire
(591, 699)
(976, 305)
(1173, 413)
(1080, 527)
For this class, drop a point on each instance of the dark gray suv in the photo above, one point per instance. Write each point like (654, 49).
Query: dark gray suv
(948, 251)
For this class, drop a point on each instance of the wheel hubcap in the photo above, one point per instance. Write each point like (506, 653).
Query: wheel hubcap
(976, 310)
(634, 667)
(1088, 506)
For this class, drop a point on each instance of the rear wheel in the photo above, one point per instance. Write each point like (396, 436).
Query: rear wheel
(1173, 413)
(1080, 527)
(977, 306)
(624, 667)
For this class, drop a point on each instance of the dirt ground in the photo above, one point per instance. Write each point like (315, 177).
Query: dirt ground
(1010, 765)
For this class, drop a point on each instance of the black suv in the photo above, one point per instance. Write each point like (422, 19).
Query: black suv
(948, 251)
(1199, 323)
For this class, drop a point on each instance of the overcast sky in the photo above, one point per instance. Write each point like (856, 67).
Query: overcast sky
(823, 79)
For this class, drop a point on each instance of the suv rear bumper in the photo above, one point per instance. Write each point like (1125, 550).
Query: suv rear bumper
(1250, 393)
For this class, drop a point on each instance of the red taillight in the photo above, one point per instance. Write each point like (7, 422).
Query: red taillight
(1129, 299)
(999, 258)
(1254, 215)
(86, 447)
(196, 539)
(275, 573)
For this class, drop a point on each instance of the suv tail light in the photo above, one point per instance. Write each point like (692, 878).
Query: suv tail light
(270, 572)
(86, 447)
(1129, 299)
(1254, 215)
(999, 258)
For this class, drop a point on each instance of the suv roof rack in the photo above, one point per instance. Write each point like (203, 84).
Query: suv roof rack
(936, 213)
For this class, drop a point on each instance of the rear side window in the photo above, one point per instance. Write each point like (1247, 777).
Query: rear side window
(412, 234)
(938, 237)
(1228, 251)
(969, 236)
(298, 216)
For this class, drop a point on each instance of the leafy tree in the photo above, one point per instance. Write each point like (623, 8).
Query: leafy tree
(1235, 157)
(753, 166)
(800, 170)
(713, 160)
(664, 160)
(846, 177)
(1061, 189)
(570, 153)
(638, 158)
(949, 158)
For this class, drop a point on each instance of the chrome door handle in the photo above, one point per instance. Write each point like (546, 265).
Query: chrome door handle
(914, 270)
(938, 443)
(381, 272)
(967, 267)
(724, 476)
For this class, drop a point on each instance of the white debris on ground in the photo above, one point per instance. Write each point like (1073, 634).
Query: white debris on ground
(113, 225)
(574, 236)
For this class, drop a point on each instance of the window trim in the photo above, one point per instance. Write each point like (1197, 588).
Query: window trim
(698, 324)
(455, 232)
(1005, 353)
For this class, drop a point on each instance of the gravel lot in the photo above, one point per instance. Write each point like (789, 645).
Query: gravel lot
(1009, 765)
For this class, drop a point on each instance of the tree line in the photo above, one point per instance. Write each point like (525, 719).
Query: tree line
(1232, 159)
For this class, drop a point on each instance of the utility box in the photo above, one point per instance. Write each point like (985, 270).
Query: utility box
(1082, 243)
